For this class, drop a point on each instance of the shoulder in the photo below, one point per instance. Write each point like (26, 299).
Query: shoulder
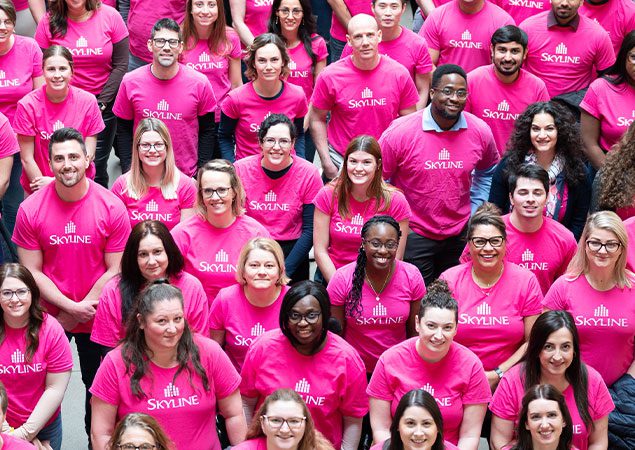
(294, 90)
(481, 73)
(452, 274)
(249, 223)
(536, 20)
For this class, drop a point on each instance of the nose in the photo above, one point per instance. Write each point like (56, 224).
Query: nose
(285, 424)
(438, 333)
(557, 355)
(544, 423)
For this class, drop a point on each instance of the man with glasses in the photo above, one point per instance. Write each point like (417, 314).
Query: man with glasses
(436, 156)
(177, 95)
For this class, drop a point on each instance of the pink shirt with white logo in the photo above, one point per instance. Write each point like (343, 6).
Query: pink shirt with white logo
(617, 17)
(508, 398)
(565, 59)
(301, 66)
(214, 66)
(8, 142)
(409, 49)
(153, 206)
(241, 321)
(109, 329)
(211, 253)
(491, 320)
(77, 233)
(362, 101)
(90, 42)
(605, 320)
(252, 444)
(461, 38)
(331, 382)
(39, 117)
(257, 14)
(629, 224)
(424, 163)
(180, 403)
(454, 382)
(18, 67)
(614, 106)
(250, 109)
(522, 9)
(178, 102)
(338, 31)
(277, 204)
(143, 15)
(382, 323)
(345, 235)
(24, 377)
(504, 102)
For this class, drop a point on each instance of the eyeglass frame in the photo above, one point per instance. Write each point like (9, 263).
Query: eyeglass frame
(14, 293)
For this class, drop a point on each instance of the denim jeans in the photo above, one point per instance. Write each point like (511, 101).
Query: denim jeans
(52, 433)
(14, 195)
(336, 47)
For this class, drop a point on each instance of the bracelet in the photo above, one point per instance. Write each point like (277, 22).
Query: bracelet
(499, 372)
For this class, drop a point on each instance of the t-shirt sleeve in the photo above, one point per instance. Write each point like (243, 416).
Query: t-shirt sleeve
(8, 142)
(355, 401)
(490, 155)
(430, 32)
(324, 200)
(106, 383)
(230, 106)
(417, 285)
(106, 319)
(23, 121)
(226, 378)
(187, 194)
(119, 228)
(590, 101)
(348, 50)
(319, 48)
(505, 403)
(604, 55)
(198, 311)
(379, 386)
(323, 96)
(59, 357)
(24, 234)
(533, 298)
(478, 390)
(409, 93)
(207, 99)
(338, 289)
(36, 58)
(118, 188)
(388, 153)
(423, 62)
(313, 186)
(600, 401)
(234, 40)
(42, 33)
(217, 313)
(118, 29)
(302, 107)
(556, 297)
(399, 207)
(123, 107)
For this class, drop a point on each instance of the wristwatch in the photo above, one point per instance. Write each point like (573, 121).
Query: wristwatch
(499, 372)
(102, 106)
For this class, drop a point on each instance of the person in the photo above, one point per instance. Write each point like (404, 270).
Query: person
(150, 254)
(363, 93)
(522, 10)
(249, 19)
(510, 89)
(498, 301)
(243, 311)
(553, 356)
(417, 424)
(71, 235)
(181, 97)
(55, 105)
(244, 108)
(280, 189)
(545, 134)
(135, 430)
(544, 421)
(7, 440)
(376, 298)
(325, 370)
(450, 372)
(8, 148)
(345, 204)
(267, 430)
(607, 107)
(439, 146)
(342, 13)
(181, 378)
(598, 290)
(97, 37)
(154, 188)
(566, 49)
(211, 240)
(36, 358)
(617, 17)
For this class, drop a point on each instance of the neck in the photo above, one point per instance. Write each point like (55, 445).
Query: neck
(472, 7)
(540, 446)
(286, 163)
(560, 382)
(153, 174)
(526, 225)
(390, 34)
(267, 88)
(360, 192)
(308, 348)
(425, 356)
(507, 79)
(56, 96)
(601, 279)
(79, 15)
(366, 64)
(164, 358)
(487, 277)
(291, 37)
(262, 297)
(545, 159)
(378, 279)
(73, 193)
(203, 32)
(164, 73)
(6, 46)
(16, 322)
(221, 221)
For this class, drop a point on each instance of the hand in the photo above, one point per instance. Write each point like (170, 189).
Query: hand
(67, 321)
(330, 169)
(41, 445)
(40, 182)
(85, 310)
(493, 379)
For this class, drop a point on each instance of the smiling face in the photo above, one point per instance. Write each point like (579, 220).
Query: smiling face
(290, 15)
(545, 422)
(165, 56)
(544, 133)
(557, 353)
(388, 12)
(630, 66)
(449, 106)
(602, 259)
(57, 74)
(529, 198)
(417, 429)
(283, 437)
(219, 182)
(261, 269)
(76, 7)
(487, 257)
(204, 12)
(152, 258)
(14, 308)
(164, 325)
(68, 163)
(376, 242)
(276, 147)
(361, 168)
(6, 28)
(307, 334)
(436, 328)
(152, 149)
(508, 57)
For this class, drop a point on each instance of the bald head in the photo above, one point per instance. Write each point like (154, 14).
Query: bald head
(361, 21)
(364, 36)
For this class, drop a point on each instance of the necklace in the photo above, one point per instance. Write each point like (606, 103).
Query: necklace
(370, 283)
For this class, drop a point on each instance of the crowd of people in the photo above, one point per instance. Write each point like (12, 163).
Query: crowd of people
(454, 182)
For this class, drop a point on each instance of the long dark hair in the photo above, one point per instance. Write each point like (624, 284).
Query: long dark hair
(616, 74)
(58, 15)
(135, 351)
(353, 302)
(418, 398)
(576, 374)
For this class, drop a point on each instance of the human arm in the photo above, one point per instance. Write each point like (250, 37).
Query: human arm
(499, 189)
(230, 408)
(206, 138)
(351, 432)
(434, 55)
(27, 152)
(5, 173)
(406, 111)
(427, 6)
(226, 139)
(187, 213)
(102, 424)
(411, 323)
(590, 128)
(112, 261)
(380, 419)
(238, 9)
(124, 141)
(502, 432)
(318, 132)
(38, 9)
(599, 437)
(470, 431)
(38, 82)
(303, 245)
(321, 222)
(422, 81)
(91, 146)
(235, 76)
(481, 186)
(249, 406)
(337, 312)
(342, 14)
(404, 227)
(120, 56)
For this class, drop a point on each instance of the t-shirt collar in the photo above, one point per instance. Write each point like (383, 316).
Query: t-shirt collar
(553, 22)
(429, 124)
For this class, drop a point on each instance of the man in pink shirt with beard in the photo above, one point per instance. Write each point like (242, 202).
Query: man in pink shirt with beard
(363, 93)
(503, 90)
(617, 17)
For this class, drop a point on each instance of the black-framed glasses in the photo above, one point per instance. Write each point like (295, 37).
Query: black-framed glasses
(449, 92)
(596, 246)
(160, 42)
(311, 317)
(480, 242)
(21, 294)
(296, 12)
(222, 192)
(157, 146)
(376, 244)
(271, 142)
(136, 447)
(294, 423)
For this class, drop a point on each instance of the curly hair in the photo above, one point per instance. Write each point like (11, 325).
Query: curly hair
(617, 176)
(568, 145)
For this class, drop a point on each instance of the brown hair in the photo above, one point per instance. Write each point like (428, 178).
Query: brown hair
(217, 42)
(259, 42)
(145, 422)
(224, 166)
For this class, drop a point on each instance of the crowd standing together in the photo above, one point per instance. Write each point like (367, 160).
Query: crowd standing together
(470, 219)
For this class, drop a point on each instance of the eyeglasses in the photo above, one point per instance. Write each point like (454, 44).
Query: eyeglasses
(136, 447)
(596, 246)
(8, 23)
(494, 241)
(21, 294)
(312, 317)
(294, 423)
(160, 42)
(222, 192)
(271, 142)
(158, 146)
(376, 244)
(296, 12)
(449, 92)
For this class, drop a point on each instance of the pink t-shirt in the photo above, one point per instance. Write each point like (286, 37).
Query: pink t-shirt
(214, 67)
(446, 446)
(382, 323)
(331, 382)
(18, 67)
(508, 398)
(617, 17)
(108, 328)
(250, 109)
(153, 206)
(13, 443)
(37, 116)
(504, 102)
(629, 224)
(455, 381)
(362, 101)
(180, 404)
(252, 444)
(75, 233)
(241, 321)
(24, 378)
(8, 142)
(143, 15)
(345, 234)
(461, 38)
(522, 9)
(614, 106)
(605, 320)
(301, 66)
(211, 253)
(409, 49)
(338, 31)
(277, 204)
(90, 43)
(425, 163)
(565, 59)
(257, 14)
(491, 320)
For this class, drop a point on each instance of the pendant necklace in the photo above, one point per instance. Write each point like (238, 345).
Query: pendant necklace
(383, 286)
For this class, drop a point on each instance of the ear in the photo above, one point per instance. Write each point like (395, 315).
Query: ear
(378, 35)
(150, 45)
(491, 52)
(140, 321)
(417, 327)
(349, 41)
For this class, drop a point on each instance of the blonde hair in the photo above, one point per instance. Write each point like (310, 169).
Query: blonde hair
(223, 166)
(267, 245)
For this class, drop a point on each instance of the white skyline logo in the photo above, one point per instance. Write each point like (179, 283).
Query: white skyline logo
(302, 386)
(357, 219)
(204, 58)
(466, 36)
(601, 311)
(152, 206)
(484, 309)
(561, 49)
(70, 228)
(163, 106)
(17, 357)
(379, 310)
(367, 93)
(58, 125)
(257, 329)
(222, 256)
(444, 155)
(429, 389)
(292, 65)
(503, 106)
(527, 256)
(271, 196)
(171, 391)
(81, 42)
(3, 75)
